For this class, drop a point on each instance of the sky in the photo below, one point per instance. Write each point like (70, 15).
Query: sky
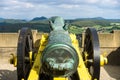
(68, 9)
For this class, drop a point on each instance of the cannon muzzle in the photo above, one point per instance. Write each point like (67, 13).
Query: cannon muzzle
(59, 57)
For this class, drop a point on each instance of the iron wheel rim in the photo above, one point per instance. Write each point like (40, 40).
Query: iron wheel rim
(91, 46)
(25, 45)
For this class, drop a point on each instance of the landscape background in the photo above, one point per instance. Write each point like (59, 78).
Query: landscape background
(76, 26)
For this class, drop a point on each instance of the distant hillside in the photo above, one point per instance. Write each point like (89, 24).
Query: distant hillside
(12, 21)
(99, 18)
(43, 19)
(8, 27)
(42, 24)
(86, 23)
(114, 20)
(1, 18)
(96, 18)
(39, 18)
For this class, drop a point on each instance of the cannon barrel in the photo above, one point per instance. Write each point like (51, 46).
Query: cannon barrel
(59, 58)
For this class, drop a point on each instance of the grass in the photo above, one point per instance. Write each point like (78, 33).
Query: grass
(106, 29)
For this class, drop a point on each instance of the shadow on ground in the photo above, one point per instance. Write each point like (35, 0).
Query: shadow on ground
(8, 75)
(113, 66)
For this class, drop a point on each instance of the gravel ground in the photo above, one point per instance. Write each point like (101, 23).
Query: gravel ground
(7, 71)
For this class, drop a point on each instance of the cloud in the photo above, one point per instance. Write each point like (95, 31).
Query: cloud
(64, 8)
(68, 6)
(107, 3)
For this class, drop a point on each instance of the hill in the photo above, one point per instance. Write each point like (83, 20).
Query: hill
(39, 18)
(95, 18)
(42, 24)
(1, 18)
(12, 21)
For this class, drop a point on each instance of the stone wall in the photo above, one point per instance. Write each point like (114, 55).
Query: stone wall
(8, 40)
(108, 41)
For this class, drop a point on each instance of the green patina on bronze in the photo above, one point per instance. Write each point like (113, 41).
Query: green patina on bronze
(59, 57)
(58, 33)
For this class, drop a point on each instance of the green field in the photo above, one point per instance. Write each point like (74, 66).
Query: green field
(76, 26)
(99, 28)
